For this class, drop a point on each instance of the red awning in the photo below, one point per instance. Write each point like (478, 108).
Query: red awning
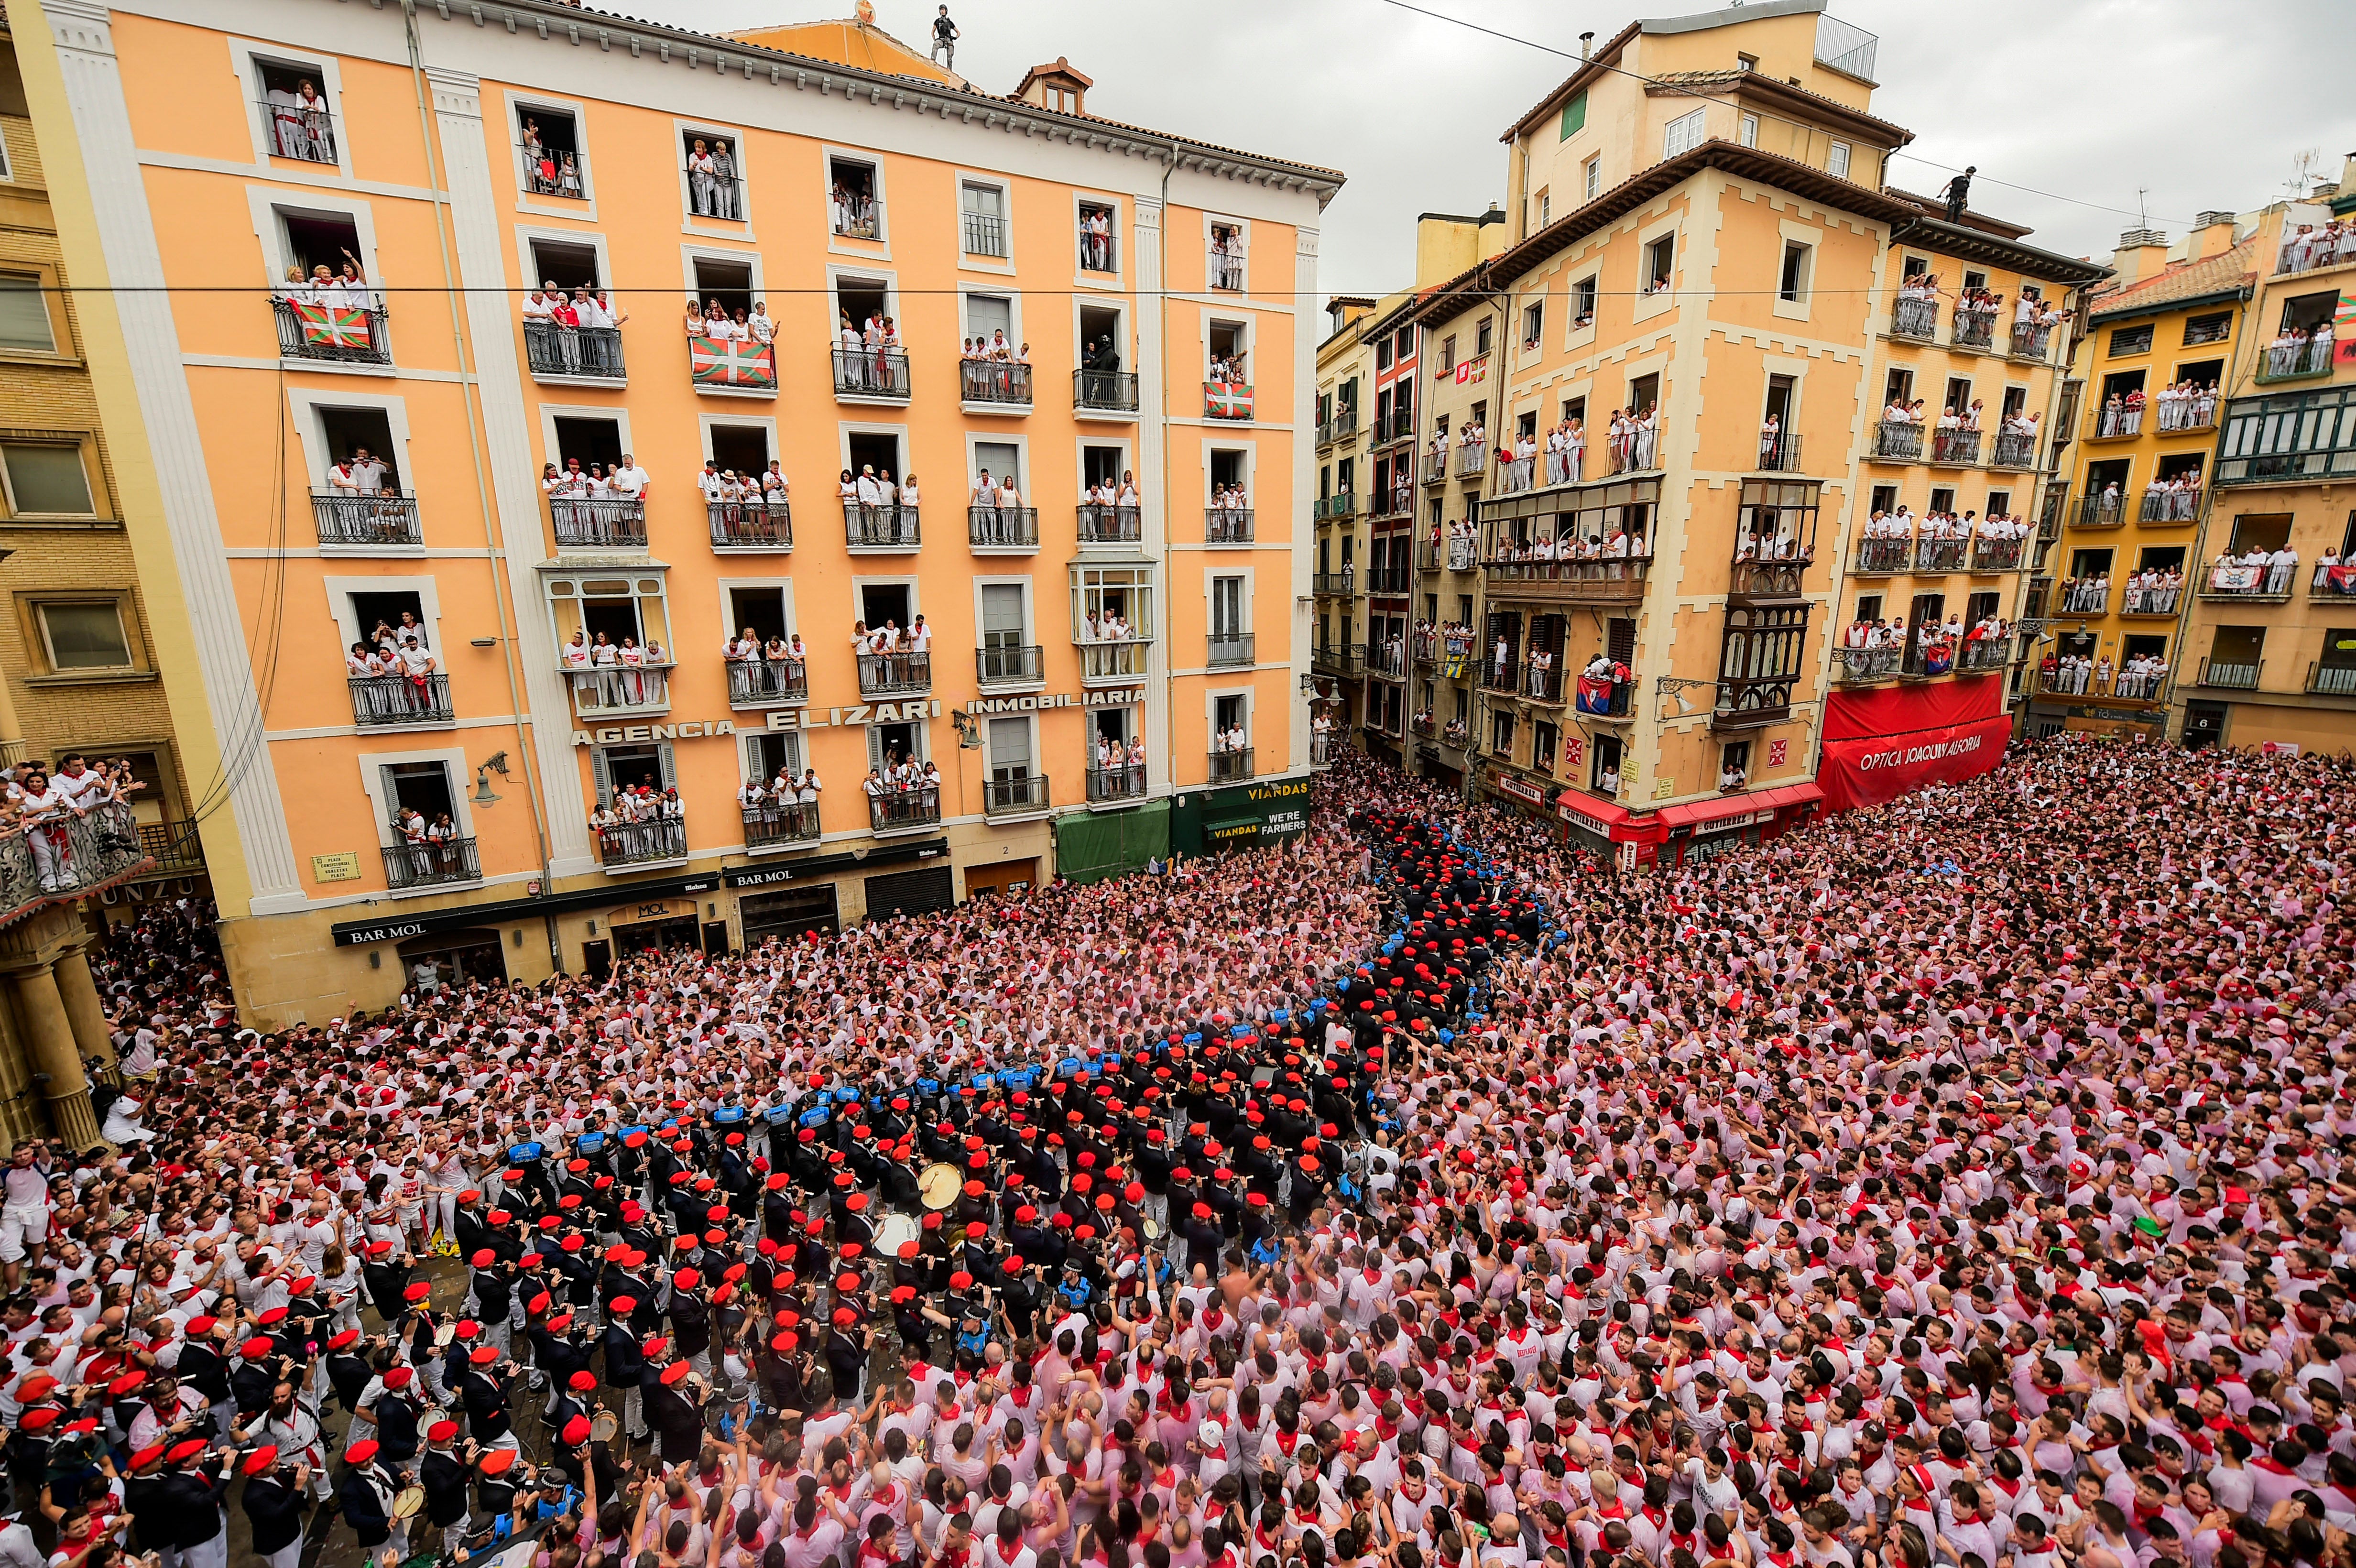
(1697, 814)
(1603, 812)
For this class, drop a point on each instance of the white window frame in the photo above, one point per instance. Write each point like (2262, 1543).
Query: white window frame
(1251, 451)
(970, 261)
(1242, 226)
(305, 405)
(1115, 281)
(1748, 131)
(910, 581)
(528, 270)
(846, 429)
(980, 438)
(1211, 695)
(246, 58)
(703, 423)
(1013, 298)
(715, 227)
(1648, 306)
(689, 253)
(1029, 604)
(1573, 334)
(340, 591)
(454, 765)
(551, 412)
(885, 278)
(1838, 151)
(1811, 238)
(1080, 444)
(81, 442)
(1684, 133)
(796, 745)
(1034, 765)
(725, 586)
(1247, 323)
(585, 210)
(1593, 177)
(1211, 575)
(269, 204)
(41, 606)
(877, 248)
(577, 574)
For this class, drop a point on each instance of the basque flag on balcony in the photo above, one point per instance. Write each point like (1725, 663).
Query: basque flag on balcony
(333, 326)
(1594, 694)
(736, 363)
(1227, 400)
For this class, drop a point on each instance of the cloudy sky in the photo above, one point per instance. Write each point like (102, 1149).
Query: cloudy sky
(2095, 106)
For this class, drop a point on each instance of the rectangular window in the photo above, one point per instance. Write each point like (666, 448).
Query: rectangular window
(1482, 337)
(983, 208)
(1594, 176)
(24, 315)
(1574, 118)
(84, 636)
(1406, 342)
(1546, 208)
(1750, 130)
(2214, 327)
(1383, 355)
(46, 480)
(1792, 285)
(1010, 749)
(1582, 301)
(1533, 324)
(1448, 355)
(1226, 608)
(1837, 160)
(2131, 340)
(1660, 258)
(1684, 132)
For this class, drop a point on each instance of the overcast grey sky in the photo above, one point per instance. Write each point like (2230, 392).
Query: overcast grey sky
(2086, 99)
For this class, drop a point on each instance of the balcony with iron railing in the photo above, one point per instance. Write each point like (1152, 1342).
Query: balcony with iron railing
(854, 216)
(1495, 673)
(2312, 253)
(1616, 579)
(779, 824)
(1109, 786)
(174, 847)
(1954, 448)
(1471, 459)
(1345, 660)
(1098, 394)
(565, 355)
(1389, 580)
(1387, 660)
(767, 683)
(2143, 686)
(2231, 675)
(1990, 556)
(1340, 427)
(643, 688)
(1002, 530)
(2014, 449)
(400, 702)
(983, 234)
(1750, 702)
(1228, 401)
(2261, 582)
(1604, 699)
(1342, 584)
(431, 863)
(1118, 663)
(1640, 453)
(870, 376)
(560, 172)
(912, 808)
(873, 528)
(1008, 663)
(1516, 475)
(301, 130)
(2146, 603)
(1400, 499)
(2107, 509)
(2084, 596)
(1897, 441)
(994, 387)
(2334, 582)
(751, 525)
(2186, 416)
(2173, 505)
(377, 519)
(1863, 666)
(1455, 734)
(1323, 744)
(582, 522)
(2331, 679)
(342, 335)
(1100, 524)
(1434, 469)
(1225, 270)
(895, 674)
(633, 845)
(2030, 342)
(101, 846)
(1541, 684)
(2121, 422)
(1330, 508)
(1230, 649)
(1769, 571)
(1021, 794)
(1227, 525)
(1779, 453)
(1975, 328)
(1940, 555)
(1988, 653)
(1400, 426)
(1915, 317)
(1424, 724)
(1884, 557)
(2294, 361)
(1231, 766)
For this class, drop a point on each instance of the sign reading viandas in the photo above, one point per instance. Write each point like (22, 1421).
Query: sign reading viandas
(739, 362)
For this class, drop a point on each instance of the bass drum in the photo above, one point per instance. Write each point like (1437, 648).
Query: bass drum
(896, 1232)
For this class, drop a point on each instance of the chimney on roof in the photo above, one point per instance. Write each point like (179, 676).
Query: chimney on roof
(2142, 253)
(1587, 48)
(2212, 235)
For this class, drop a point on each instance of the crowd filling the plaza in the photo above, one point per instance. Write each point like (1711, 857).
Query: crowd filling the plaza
(1953, 1181)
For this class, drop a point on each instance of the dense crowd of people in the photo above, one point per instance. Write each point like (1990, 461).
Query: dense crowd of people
(1955, 1181)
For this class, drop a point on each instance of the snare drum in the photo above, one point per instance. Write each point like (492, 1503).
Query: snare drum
(939, 1185)
(409, 1501)
(896, 1232)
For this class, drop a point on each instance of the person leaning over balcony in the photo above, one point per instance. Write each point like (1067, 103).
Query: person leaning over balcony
(2282, 565)
(724, 181)
(361, 663)
(417, 667)
(919, 640)
(701, 183)
(577, 657)
(1010, 510)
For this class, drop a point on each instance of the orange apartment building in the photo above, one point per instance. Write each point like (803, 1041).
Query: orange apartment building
(1706, 240)
(1163, 289)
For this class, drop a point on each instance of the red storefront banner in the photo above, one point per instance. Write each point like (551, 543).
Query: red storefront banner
(1883, 743)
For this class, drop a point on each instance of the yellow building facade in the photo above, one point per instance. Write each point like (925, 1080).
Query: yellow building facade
(1156, 290)
(1712, 251)
(2117, 562)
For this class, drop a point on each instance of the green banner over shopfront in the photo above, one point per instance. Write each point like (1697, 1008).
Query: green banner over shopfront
(1267, 811)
